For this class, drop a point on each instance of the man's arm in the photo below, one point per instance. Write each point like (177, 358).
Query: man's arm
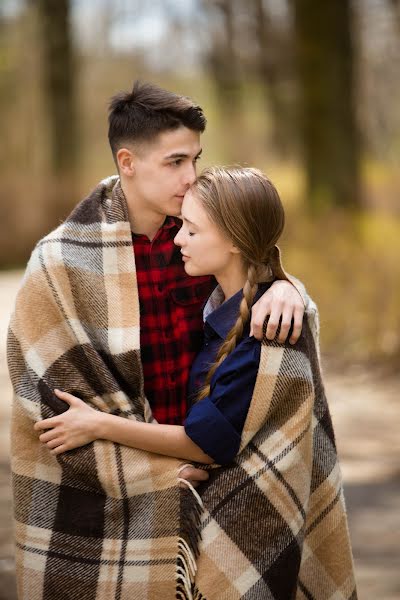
(284, 303)
(284, 306)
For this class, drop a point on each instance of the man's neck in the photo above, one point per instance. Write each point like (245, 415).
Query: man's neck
(142, 221)
(146, 224)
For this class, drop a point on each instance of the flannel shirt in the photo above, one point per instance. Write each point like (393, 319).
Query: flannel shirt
(171, 322)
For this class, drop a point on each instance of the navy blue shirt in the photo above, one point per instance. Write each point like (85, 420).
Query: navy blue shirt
(216, 422)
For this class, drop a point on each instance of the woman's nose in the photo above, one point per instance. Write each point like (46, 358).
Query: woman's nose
(177, 239)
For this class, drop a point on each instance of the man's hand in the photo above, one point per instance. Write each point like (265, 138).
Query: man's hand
(282, 302)
(192, 475)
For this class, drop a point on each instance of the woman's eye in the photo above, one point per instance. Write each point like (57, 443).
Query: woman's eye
(191, 233)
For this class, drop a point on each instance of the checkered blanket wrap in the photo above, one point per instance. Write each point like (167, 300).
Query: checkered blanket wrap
(108, 522)
(274, 524)
(103, 521)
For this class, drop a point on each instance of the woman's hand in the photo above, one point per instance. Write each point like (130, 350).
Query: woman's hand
(78, 426)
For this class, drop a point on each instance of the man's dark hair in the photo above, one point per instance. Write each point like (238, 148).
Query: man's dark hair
(140, 115)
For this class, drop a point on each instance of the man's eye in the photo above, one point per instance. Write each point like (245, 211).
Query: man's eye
(197, 158)
(177, 162)
(191, 233)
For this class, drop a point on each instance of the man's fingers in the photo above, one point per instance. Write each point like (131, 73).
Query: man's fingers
(297, 325)
(273, 324)
(259, 312)
(286, 322)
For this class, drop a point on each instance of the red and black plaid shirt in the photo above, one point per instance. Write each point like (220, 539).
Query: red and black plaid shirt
(171, 323)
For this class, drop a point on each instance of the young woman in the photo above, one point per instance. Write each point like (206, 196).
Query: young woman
(273, 522)
(232, 220)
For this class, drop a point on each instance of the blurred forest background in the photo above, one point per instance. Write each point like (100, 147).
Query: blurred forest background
(306, 90)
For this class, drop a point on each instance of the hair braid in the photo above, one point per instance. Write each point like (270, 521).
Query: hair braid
(236, 332)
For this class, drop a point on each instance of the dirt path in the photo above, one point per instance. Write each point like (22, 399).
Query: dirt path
(365, 413)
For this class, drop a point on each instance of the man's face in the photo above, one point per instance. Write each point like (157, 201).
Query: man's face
(164, 170)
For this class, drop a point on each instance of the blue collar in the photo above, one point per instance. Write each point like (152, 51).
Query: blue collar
(222, 319)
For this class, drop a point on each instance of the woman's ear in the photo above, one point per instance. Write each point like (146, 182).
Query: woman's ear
(125, 160)
(234, 249)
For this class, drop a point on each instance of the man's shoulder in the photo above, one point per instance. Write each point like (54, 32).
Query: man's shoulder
(87, 214)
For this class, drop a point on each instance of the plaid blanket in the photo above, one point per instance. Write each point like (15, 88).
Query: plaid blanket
(109, 522)
(103, 521)
(274, 524)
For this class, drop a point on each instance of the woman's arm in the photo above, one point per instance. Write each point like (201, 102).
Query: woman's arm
(81, 424)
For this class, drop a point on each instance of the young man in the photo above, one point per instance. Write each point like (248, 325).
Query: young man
(107, 312)
(155, 140)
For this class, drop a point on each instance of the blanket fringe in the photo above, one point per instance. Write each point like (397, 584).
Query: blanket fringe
(188, 542)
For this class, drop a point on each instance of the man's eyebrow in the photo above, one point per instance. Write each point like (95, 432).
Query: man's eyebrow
(176, 155)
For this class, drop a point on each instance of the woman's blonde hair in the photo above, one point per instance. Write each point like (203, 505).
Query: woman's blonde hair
(246, 207)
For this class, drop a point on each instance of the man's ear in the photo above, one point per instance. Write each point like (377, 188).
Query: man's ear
(126, 160)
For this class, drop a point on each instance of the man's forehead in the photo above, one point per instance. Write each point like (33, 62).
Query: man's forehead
(179, 142)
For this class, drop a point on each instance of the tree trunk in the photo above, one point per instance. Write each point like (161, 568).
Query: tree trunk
(223, 64)
(327, 90)
(59, 82)
(273, 65)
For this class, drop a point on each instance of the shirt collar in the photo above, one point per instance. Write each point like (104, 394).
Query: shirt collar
(220, 315)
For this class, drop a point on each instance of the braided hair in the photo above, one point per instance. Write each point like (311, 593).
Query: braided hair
(246, 207)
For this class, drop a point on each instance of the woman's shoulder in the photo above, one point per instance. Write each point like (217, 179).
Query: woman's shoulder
(244, 357)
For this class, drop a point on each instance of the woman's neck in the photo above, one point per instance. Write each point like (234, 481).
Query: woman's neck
(232, 279)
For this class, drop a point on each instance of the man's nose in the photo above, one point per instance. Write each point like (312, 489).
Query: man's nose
(190, 174)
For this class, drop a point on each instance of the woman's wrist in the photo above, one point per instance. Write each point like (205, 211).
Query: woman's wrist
(100, 425)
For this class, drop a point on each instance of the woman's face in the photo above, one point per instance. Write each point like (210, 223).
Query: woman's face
(205, 249)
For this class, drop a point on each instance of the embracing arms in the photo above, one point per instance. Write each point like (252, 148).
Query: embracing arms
(81, 425)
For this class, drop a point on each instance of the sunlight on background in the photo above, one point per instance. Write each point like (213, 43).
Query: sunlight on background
(329, 142)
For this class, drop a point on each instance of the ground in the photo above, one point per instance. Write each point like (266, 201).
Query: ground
(365, 411)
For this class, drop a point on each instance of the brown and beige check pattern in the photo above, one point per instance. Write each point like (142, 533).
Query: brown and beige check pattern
(274, 524)
(101, 522)
(107, 522)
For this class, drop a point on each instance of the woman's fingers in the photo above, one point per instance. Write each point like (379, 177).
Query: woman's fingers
(60, 449)
(67, 397)
(49, 435)
(54, 421)
(54, 443)
(46, 424)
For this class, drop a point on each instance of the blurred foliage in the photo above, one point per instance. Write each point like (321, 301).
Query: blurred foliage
(347, 259)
